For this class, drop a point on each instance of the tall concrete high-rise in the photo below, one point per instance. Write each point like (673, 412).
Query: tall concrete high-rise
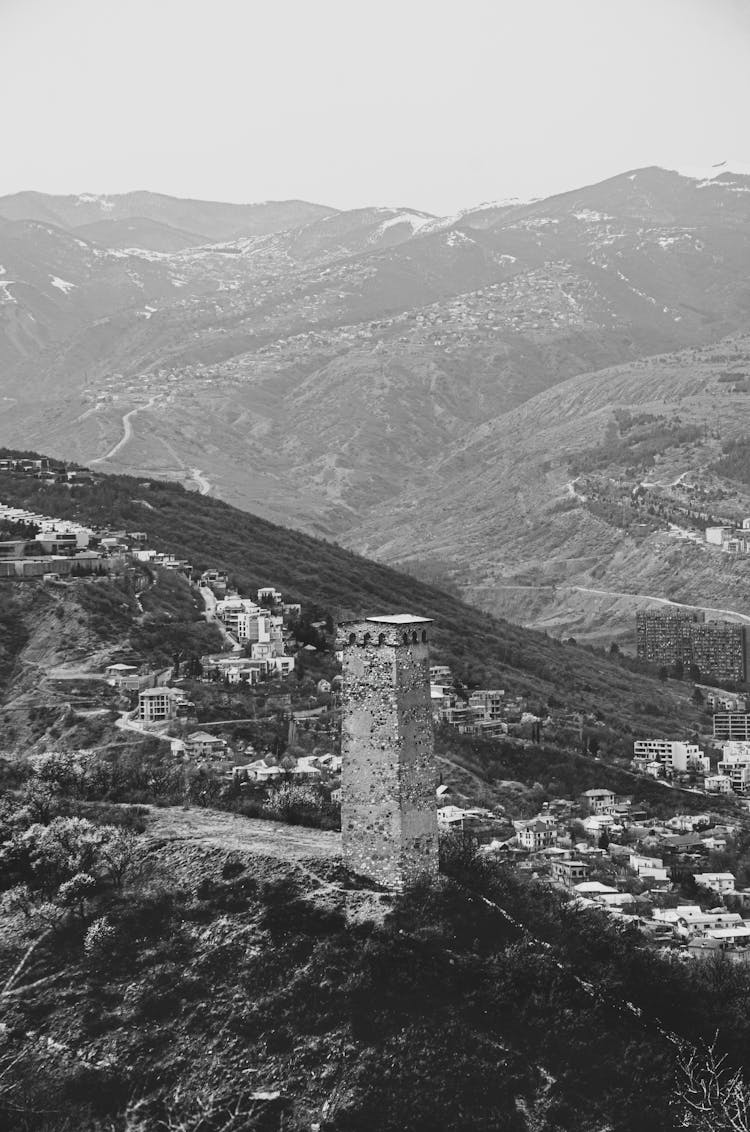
(388, 810)
(719, 649)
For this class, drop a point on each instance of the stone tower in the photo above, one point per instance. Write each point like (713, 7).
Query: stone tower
(388, 781)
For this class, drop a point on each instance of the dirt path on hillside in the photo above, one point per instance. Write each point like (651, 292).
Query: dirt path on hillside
(127, 431)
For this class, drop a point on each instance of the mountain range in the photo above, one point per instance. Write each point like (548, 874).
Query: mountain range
(413, 386)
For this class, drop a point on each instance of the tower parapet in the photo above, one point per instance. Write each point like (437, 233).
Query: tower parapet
(388, 810)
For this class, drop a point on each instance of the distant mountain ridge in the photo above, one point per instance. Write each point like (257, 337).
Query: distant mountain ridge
(213, 220)
(328, 372)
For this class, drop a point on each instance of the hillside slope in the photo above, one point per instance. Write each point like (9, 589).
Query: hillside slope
(327, 578)
(217, 989)
(535, 519)
(208, 984)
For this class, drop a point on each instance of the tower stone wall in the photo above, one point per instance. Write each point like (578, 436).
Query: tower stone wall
(388, 808)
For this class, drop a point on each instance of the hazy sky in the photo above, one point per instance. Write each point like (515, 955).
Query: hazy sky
(437, 105)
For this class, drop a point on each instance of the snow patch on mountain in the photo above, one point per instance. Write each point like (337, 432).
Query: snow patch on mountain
(536, 222)
(105, 204)
(62, 284)
(141, 253)
(416, 221)
(506, 202)
(455, 238)
(591, 216)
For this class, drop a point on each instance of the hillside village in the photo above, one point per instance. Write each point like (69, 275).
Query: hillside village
(374, 567)
(682, 879)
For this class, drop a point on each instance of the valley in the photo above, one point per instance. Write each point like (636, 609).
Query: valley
(553, 514)
(425, 390)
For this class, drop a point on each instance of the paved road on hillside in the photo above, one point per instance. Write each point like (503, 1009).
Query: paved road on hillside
(204, 485)
(209, 601)
(620, 593)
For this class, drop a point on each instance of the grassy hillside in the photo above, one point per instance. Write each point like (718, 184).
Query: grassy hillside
(154, 983)
(525, 538)
(324, 577)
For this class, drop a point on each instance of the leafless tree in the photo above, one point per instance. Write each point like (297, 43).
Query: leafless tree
(709, 1096)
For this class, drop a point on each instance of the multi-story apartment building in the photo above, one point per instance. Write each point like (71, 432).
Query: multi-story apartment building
(266, 629)
(239, 614)
(599, 801)
(663, 750)
(732, 539)
(156, 705)
(569, 872)
(732, 726)
(735, 765)
(269, 597)
(717, 648)
(440, 674)
(719, 700)
(685, 757)
(721, 648)
(536, 835)
(461, 716)
(490, 701)
(663, 637)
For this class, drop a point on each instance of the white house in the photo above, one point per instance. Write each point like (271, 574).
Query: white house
(537, 835)
(717, 784)
(201, 745)
(257, 771)
(596, 824)
(156, 705)
(719, 882)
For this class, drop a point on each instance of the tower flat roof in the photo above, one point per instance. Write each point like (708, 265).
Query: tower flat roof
(400, 619)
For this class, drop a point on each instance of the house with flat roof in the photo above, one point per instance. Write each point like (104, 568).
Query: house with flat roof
(157, 705)
(569, 872)
(202, 745)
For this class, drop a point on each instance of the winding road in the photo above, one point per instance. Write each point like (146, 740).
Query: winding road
(204, 486)
(127, 432)
(619, 593)
(209, 601)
